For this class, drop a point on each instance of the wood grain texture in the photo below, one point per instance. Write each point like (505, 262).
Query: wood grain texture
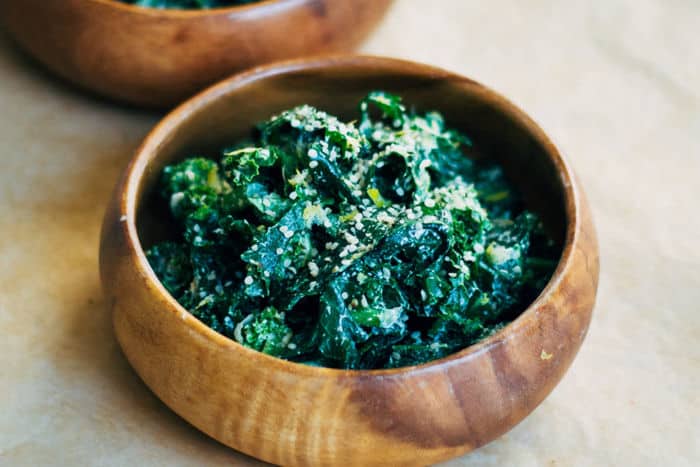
(291, 414)
(157, 58)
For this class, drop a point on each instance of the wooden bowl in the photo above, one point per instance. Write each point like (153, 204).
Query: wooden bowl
(157, 58)
(290, 414)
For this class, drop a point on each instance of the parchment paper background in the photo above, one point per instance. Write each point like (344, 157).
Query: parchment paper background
(615, 83)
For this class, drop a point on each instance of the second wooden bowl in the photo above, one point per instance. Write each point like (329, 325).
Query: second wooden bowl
(157, 58)
(292, 414)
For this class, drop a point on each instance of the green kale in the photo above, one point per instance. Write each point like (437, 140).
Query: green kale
(172, 265)
(376, 245)
(265, 331)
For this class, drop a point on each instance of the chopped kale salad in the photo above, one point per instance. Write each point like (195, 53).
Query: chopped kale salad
(369, 244)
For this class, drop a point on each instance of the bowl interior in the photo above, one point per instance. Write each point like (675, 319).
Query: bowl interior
(228, 112)
(184, 11)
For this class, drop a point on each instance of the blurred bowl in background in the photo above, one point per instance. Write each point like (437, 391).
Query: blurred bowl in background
(157, 57)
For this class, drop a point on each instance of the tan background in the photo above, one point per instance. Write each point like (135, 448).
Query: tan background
(616, 83)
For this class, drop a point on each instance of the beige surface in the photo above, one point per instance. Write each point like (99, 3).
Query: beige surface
(615, 83)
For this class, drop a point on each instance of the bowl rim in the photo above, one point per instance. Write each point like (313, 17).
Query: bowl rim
(195, 13)
(129, 188)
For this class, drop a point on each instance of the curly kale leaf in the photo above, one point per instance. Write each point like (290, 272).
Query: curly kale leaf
(368, 301)
(190, 185)
(273, 261)
(171, 264)
(383, 108)
(242, 166)
(265, 331)
(296, 131)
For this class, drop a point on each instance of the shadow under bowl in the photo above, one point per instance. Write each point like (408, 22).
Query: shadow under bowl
(290, 414)
(158, 57)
